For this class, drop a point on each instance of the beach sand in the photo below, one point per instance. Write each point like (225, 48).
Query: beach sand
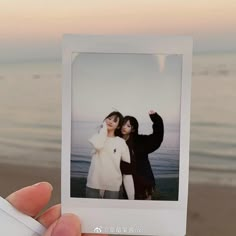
(13, 177)
(211, 209)
(167, 188)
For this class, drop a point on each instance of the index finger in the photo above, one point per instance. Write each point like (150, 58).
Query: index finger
(32, 199)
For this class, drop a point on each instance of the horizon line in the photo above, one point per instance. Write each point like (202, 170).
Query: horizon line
(59, 59)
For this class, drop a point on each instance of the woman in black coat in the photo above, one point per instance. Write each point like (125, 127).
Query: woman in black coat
(140, 146)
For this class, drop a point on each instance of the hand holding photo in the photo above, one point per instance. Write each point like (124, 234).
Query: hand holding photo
(120, 157)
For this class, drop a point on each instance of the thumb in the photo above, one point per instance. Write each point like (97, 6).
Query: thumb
(66, 225)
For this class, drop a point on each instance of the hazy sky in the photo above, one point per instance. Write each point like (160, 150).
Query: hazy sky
(33, 29)
(130, 83)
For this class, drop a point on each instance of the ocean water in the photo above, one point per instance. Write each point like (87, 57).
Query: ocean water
(30, 113)
(30, 119)
(213, 119)
(164, 161)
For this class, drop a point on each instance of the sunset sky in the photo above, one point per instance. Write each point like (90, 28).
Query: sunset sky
(33, 29)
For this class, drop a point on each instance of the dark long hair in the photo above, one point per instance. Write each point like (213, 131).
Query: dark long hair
(134, 124)
(119, 116)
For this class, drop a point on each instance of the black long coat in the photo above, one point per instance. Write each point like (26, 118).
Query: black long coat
(140, 146)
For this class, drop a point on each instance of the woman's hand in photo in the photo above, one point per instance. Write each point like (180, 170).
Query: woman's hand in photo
(103, 128)
(151, 112)
(32, 199)
(104, 125)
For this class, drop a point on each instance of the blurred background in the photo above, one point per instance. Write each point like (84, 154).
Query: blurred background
(30, 92)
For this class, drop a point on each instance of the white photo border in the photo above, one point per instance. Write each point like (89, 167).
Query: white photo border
(144, 217)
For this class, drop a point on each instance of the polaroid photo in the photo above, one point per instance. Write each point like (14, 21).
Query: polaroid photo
(125, 133)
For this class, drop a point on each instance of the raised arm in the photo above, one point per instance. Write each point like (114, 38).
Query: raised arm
(153, 141)
(99, 139)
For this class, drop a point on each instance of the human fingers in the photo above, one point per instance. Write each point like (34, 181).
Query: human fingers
(66, 225)
(31, 200)
(50, 216)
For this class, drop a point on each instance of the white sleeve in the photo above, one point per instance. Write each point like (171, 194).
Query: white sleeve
(129, 186)
(99, 139)
(128, 179)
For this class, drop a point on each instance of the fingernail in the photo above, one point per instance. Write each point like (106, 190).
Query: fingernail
(43, 183)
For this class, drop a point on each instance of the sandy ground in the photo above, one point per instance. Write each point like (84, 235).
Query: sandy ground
(13, 177)
(211, 209)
